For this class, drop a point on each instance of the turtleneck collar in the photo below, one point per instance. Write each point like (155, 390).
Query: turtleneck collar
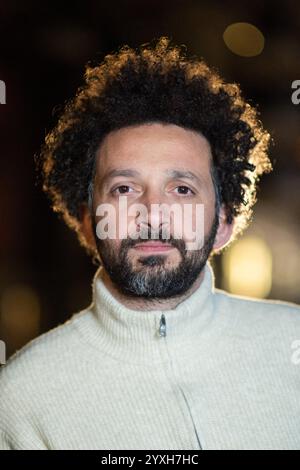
(141, 336)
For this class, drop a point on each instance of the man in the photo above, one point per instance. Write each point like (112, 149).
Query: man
(160, 359)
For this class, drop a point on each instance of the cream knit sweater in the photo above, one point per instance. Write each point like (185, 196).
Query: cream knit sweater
(217, 372)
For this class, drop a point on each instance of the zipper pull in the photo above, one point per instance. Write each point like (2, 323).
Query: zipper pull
(162, 326)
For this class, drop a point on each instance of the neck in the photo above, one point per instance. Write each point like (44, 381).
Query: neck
(142, 303)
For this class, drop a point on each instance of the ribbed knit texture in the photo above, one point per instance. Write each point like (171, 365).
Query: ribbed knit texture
(222, 378)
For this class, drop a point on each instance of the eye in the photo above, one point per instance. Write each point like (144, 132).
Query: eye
(183, 190)
(123, 189)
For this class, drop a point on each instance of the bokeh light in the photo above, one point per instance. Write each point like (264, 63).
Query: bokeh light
(19, 314)
(244, 39)
(247, 267)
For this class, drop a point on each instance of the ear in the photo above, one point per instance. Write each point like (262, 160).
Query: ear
(87, 225)
(224, 231)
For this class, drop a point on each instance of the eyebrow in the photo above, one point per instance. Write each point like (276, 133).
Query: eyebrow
(184, 174)
(120, 172)
(173, 173)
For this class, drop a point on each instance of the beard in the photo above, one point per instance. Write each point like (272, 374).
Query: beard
(153, 279)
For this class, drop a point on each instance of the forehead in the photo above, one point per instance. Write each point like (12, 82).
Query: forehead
(154, 146)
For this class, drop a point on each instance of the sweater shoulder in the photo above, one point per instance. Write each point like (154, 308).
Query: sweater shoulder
(42, 356)
(256, 303)
(34, 376)
(270, 315)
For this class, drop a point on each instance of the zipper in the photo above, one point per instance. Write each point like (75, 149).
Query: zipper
(163, 332)
(162, 326)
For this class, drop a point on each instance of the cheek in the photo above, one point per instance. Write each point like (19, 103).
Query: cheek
(195, 225)
(206, 213)
(195, 217)
(126, 226)
(111, 222)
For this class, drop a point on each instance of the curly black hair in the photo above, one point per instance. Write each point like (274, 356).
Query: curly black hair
(155, 83)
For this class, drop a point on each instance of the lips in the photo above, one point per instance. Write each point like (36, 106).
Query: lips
(153, 246)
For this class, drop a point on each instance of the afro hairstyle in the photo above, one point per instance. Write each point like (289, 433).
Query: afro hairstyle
(156, 82)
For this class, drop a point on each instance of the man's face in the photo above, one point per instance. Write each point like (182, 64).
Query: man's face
(154, 164)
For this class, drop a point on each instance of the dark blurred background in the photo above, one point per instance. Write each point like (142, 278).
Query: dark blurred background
(45, 275)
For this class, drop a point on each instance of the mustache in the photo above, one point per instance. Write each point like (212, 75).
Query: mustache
(146, 235)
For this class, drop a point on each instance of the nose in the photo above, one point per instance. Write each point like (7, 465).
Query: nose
(156, 211)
